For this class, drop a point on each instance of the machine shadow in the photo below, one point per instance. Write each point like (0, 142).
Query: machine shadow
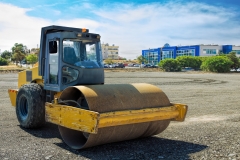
(47, 131)
(144, 148)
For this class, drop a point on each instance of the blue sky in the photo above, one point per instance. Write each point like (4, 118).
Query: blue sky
(132, 25)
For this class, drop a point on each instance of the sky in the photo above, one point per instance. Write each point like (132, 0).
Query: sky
(131, 25)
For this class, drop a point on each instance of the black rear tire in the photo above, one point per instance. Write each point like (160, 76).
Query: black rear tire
(30, 106)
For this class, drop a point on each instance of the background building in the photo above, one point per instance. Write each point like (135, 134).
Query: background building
(110, 52)
(154, 56)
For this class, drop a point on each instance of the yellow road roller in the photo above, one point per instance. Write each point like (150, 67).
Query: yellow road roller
(66, 87)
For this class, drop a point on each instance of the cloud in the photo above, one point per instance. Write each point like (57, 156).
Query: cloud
(152, 25)
(133, 27)
(17, 27)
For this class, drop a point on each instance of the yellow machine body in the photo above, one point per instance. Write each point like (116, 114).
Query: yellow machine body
(25, 77)
(89, 121)
(13, 96)
(28, 76)
(87, 115)
(111, 113)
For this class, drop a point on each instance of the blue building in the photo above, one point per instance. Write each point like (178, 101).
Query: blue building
(154, 56)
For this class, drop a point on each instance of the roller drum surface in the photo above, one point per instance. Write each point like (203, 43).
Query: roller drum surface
(114, 97)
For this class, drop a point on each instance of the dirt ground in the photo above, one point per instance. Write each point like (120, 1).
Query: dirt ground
(210, 131)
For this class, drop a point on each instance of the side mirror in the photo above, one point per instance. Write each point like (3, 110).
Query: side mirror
(52, 47)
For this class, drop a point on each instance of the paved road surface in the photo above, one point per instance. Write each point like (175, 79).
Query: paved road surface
(211, 129)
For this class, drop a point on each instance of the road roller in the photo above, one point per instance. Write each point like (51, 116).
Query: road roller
(66, 87)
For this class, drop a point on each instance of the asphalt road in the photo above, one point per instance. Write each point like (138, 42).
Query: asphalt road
(210, 131)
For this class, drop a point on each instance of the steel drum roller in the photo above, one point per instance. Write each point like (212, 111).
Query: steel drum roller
(114, 97)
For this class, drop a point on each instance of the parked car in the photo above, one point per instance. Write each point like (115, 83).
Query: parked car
(119, 65)
(147, 66)
(154, 66)
(136, 65)
(234, 70)
(130, 65)
(23, 61)
(112, 66)
(106, 66)
(187, 69)
(150, 66)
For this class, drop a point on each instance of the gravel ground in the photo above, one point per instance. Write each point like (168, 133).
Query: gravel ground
(211, 129)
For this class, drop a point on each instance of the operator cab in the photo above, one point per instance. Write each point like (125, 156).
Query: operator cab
(68, 57)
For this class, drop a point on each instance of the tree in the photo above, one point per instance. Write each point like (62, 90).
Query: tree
(236, 63)
(189, 61)
(3, 62)
(19, 52)
(221, 53)
(203, 59)
(32, 58)
(6, 55)
(19, 47)
(35, 51)
(18, 56)
(217, 64)
(108, 61)
(141, 60)
(169, 65)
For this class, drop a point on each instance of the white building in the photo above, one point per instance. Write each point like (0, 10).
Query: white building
(110, 52)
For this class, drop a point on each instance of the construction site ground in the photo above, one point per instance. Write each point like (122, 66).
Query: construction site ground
(211, 129)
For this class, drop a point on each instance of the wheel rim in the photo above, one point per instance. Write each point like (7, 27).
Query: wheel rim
(23, 108)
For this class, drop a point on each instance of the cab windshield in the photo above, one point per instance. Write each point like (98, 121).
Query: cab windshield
(82, 53)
